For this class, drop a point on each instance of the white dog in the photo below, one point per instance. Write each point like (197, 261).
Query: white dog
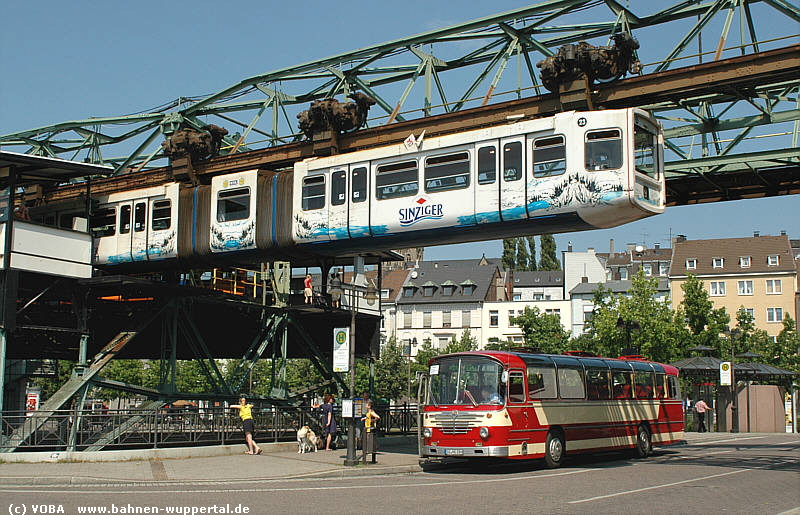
(307, 440)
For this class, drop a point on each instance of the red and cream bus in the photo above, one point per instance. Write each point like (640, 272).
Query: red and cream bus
(524, 405)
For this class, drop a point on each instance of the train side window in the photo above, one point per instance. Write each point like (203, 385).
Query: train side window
(125, 219)
(604, 149)
(313, 193)
(449, 172)
(338, 187)
(358, 180)
(644, 151)
(233, 205)
(549, 156)
(162, 215)
(139, 215)
(104, 222)
(512, 161)
(487, 165)
(397, 180)
(516, 386)
(541, 382)
(597, 383)
(570, 383)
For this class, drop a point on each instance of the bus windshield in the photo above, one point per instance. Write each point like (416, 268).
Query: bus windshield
(470, 380)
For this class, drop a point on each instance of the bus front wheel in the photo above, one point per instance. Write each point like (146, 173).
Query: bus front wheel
(643, 442)
(554, 450)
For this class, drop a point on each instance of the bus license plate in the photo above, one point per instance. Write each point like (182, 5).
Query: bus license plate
(454, 452)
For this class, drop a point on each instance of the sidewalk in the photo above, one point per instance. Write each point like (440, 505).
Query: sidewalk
(228, 464)
(221, 463)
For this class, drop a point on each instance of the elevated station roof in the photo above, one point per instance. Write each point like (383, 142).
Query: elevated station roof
(33, 168)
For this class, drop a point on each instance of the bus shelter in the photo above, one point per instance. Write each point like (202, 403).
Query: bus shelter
(760, 405)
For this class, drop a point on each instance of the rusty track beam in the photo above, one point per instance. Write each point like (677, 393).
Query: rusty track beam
(748, 71)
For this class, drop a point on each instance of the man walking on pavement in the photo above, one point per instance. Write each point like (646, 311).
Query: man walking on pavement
(701, 407)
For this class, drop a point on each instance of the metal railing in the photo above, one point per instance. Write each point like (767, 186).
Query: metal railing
(171, 427)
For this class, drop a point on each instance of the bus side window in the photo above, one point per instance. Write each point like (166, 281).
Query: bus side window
(597, 383)
(673, 387)
(516, 386)
(660, 387)
(622, 385)
(570, 383)
(644, 384)
(541, 383)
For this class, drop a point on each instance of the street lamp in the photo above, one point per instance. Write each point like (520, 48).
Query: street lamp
(628, 326)
(413, 342)
(732, 335)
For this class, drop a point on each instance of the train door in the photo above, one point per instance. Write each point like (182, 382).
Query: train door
(337, 211)
(358, 215)
(512, 181)
(139, 233)
(546, 173)
(162, 233)
(123, 254)
(487, 185)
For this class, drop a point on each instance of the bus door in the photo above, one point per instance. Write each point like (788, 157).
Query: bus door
(123, 254)
(358, 213)
(516, 398)
(512, 180)
(139, 233)
(337, 211)
(487, 184)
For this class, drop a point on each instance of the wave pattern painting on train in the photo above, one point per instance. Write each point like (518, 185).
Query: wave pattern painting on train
(569, 172)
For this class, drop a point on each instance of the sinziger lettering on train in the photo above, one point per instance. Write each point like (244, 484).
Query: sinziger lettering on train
(412, 215)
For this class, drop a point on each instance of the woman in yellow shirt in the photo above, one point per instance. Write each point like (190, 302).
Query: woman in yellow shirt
(246, 414)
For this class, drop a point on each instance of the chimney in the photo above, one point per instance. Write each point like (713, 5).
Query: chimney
(584, 279)
(783, 233)
(630, 247)
(679, 239)
(611, 246)
(656, 245)
(756, 234)
(569, 246)
(590, 250)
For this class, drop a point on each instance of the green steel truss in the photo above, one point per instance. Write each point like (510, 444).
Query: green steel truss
(491, 59)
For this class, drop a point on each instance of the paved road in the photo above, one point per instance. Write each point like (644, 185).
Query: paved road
(752, 474)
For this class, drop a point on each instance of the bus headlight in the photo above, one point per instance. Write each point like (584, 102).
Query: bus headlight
(484, 432)
(426, 432)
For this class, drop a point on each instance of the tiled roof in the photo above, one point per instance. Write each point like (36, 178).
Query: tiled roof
(616, 286)
(646, 255)
(757, 248)
(528, 279)
(456, 273)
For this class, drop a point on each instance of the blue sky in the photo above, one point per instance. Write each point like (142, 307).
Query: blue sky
(72, 60)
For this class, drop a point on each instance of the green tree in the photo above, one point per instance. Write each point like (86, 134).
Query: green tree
(391, 371)
(509, 253)
(784, 352)
(705, 323)
(531, 252)
(522, 255)
(50, 385)
(542, 330)
(129, 371)
(549, 260)
(464, 344)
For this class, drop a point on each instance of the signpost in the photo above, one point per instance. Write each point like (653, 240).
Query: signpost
(341, 349)
(725, 373)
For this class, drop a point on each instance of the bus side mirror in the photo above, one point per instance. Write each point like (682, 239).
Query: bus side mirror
(504, 377)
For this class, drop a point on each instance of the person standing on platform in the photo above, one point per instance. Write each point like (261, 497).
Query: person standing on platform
(370, 421)
(701, 407)
(328, 421)
(335, 289)
(246, 414)
(307, 292)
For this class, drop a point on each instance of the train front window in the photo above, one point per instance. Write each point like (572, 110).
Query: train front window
(466, 380)
(162, 215)
(313, 193)
(233, 205)
(450, 172)
(104, 222)
(397, 180)
(644, 151)
(549, 156)
(604, 149)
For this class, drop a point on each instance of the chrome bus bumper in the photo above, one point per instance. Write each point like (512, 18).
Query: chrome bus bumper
(465, 452)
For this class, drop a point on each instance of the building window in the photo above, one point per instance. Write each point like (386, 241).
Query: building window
(517, 297)
(744, 261)
(717, 262)
(556, 312)
(448, 290)
(648, 269)
(469, 289)
(384, 293)
(427, 291)
(445, 319)
(426, 319)
(444, 340)
(408, 291)
(773, 260)
(774, 286)
(623, 274)
(466, 318)
(608, 275)
(691, 264)
(663, 268)
(493, 318)
(751, 312)
(511, 315)
(407, 319)
(745, 287)
(774, 314)
(717, 288)
(587, 315)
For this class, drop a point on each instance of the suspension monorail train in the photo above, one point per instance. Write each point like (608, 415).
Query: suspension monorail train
(524, 405)
(568, 172)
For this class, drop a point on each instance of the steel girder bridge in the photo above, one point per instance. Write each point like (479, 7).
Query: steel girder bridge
(734, 138)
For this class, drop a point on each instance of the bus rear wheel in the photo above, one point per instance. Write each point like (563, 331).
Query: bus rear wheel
(554, 450)
(643, 442)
